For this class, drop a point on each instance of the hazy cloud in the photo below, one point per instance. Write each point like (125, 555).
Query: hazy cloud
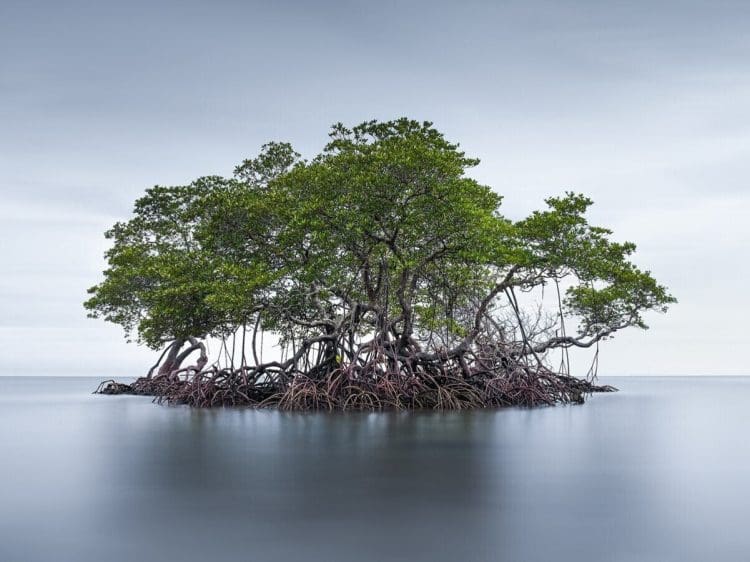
(645, 106)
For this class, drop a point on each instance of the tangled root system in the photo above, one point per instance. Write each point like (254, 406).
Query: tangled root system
(348, 389)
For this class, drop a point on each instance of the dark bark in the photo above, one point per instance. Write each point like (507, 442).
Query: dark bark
(170, 362)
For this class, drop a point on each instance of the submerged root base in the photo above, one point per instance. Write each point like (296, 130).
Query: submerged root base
(141, 387)
(344, 391)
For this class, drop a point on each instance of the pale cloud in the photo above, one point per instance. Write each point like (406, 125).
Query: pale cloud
(643, 106)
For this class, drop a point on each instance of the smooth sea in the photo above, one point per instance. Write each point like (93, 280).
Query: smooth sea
(659, 471)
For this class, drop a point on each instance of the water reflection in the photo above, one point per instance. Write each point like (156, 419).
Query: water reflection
(656, 472)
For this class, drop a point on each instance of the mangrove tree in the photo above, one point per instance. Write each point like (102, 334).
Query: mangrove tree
(376, 275)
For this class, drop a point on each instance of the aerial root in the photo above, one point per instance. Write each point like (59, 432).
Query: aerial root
(368, 388)
(113, 387)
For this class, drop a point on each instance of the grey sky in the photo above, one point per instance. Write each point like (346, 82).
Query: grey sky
(644, 106)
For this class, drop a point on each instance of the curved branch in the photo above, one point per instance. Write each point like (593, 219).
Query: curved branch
(566, 342)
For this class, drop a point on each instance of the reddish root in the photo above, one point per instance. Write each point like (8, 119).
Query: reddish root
(380, 382)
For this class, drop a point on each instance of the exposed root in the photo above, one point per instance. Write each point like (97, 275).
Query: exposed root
(345, 390)
(113, 387)
(143, 386)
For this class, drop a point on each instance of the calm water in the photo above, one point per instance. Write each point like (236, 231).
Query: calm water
(659, 471)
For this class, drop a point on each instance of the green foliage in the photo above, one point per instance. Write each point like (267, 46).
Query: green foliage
(157, 281)
(384, 220)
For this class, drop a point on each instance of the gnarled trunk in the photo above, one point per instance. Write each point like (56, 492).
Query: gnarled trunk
(170, 362)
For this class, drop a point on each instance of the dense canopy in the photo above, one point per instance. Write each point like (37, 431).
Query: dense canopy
(385, 274)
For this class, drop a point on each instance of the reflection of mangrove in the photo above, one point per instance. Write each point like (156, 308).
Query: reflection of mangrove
(388, 278)
(256, 463)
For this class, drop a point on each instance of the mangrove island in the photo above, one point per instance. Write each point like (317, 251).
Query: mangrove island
(380, 273)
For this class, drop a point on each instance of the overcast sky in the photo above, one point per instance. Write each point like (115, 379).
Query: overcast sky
(642, 105)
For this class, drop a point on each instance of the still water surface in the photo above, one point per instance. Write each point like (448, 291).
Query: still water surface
(657, 472)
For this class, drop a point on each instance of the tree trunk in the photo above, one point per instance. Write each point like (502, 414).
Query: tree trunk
(170, 363)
